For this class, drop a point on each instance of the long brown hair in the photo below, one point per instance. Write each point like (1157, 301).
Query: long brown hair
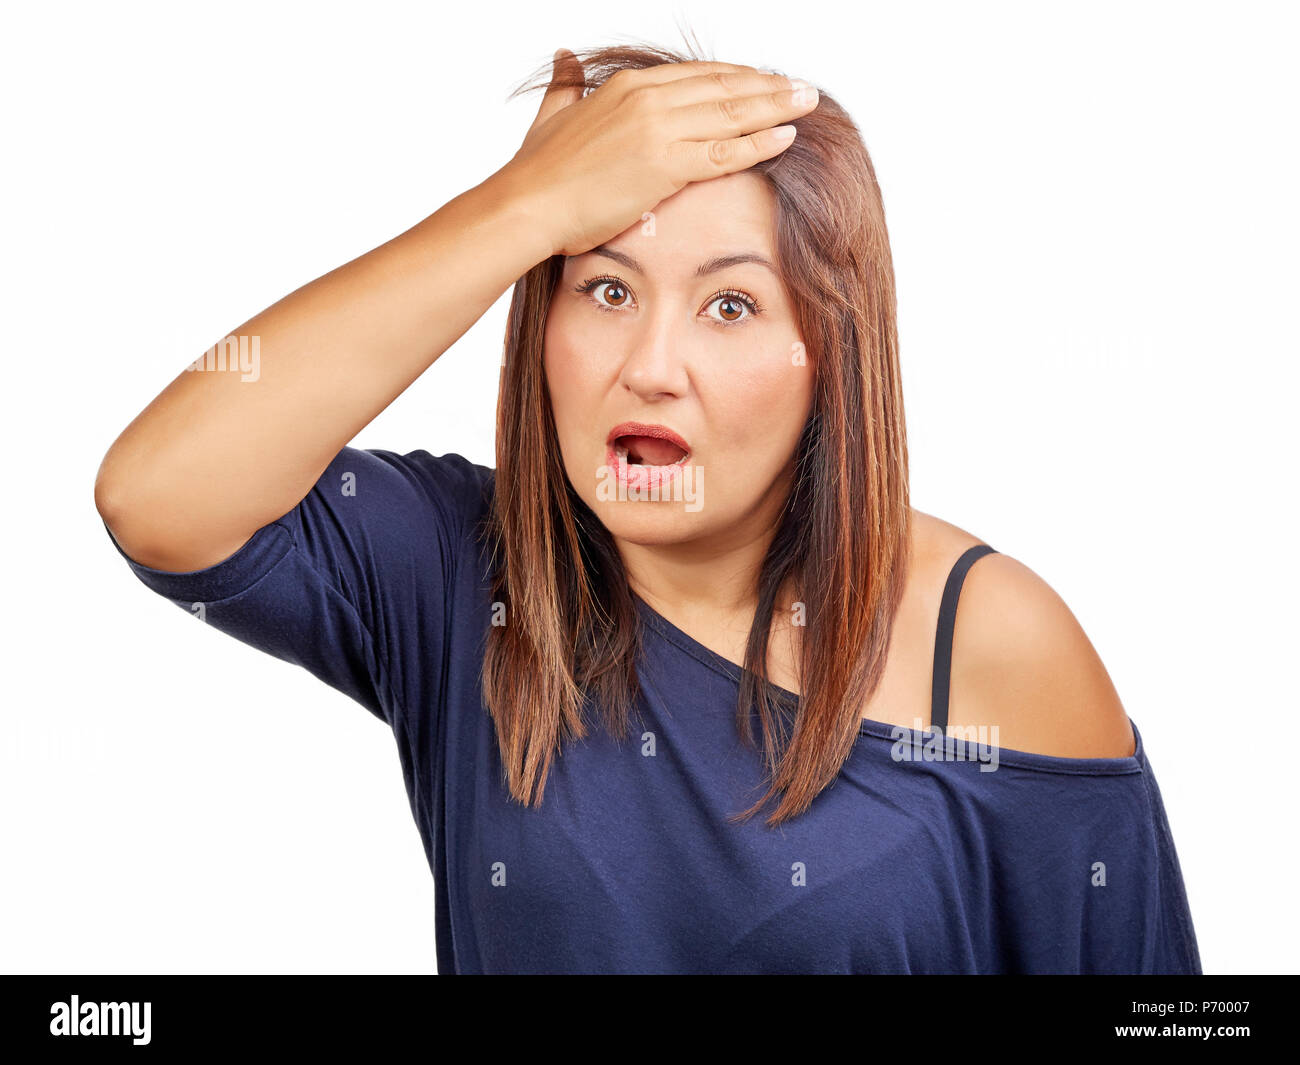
(571, 633)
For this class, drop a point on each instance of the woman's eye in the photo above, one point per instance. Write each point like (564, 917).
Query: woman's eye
(731, 307)
(609, 293)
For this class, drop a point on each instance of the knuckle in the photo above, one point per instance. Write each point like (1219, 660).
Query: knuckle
(719, 153)
(732, 109)
(639, 97)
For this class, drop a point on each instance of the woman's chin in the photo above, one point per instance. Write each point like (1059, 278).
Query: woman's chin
(648, 524)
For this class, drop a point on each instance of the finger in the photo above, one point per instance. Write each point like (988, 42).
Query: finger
(662, 73)
(567, 78)
(702, 160)
(698, 89)
(730, 116)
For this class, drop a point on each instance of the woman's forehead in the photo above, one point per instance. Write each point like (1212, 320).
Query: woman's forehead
(731, 218)
(740, 204)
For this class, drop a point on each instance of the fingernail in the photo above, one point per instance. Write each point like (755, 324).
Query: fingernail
(803, 94)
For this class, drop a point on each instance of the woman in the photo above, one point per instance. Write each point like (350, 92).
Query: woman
(697, 293)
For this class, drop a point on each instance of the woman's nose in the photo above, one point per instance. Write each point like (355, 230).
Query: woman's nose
(655, 360)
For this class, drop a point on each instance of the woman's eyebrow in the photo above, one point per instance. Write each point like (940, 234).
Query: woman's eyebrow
(722, 262)
(710, 266)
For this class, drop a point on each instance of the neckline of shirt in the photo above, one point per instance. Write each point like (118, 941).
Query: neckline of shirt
(892, 734)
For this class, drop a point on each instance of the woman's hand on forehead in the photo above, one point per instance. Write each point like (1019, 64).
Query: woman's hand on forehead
(591, 166)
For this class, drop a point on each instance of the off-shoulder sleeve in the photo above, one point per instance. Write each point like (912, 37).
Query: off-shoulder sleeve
(1083, 875)
(354, 583)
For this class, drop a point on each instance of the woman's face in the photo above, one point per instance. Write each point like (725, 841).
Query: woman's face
(672, 332)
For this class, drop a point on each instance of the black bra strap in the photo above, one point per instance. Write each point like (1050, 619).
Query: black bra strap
(943, 637)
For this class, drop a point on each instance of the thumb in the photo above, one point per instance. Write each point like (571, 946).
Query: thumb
(567, 81)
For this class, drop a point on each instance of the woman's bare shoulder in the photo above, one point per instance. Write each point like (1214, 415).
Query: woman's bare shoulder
(1020, 661)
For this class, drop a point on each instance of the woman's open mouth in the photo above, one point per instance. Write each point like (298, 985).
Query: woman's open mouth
(648, 450)
(644, 456)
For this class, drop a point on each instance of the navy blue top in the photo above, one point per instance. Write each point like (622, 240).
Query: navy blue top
(905, 864)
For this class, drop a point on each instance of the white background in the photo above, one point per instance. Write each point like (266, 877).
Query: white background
(1093, 216)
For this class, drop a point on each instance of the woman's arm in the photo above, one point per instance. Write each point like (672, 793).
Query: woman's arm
(215, 457)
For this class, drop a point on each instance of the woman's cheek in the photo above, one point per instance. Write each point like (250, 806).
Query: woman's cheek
(769, 380)
(767, 404)
(573, 352)
(571, 381)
